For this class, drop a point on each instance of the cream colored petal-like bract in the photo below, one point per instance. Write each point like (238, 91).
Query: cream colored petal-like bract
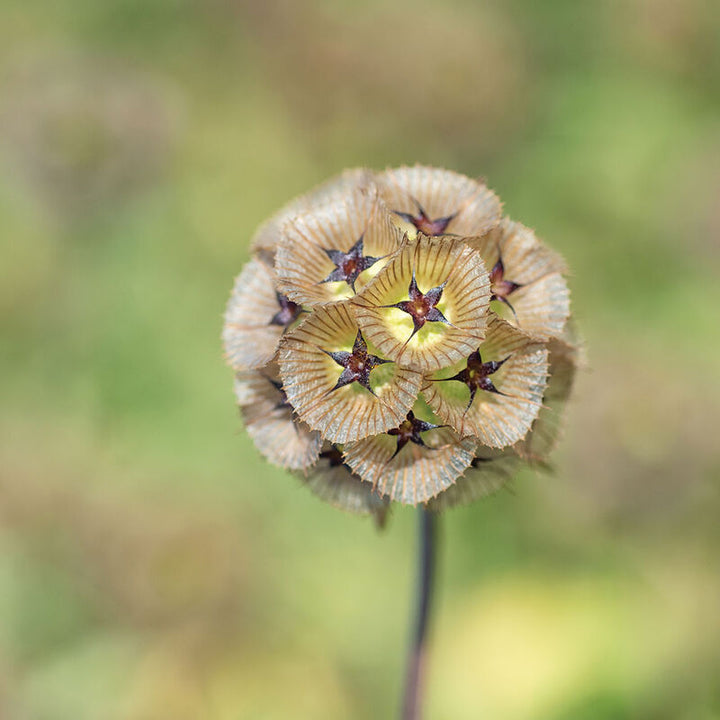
(542, 302)
(475, 209)
(464, 303)
(497, 420)
(270, 422)
(417, 473)
(546, 430)
(249, 337)
(541, 308)
(309, 376)
(302, 261)
(525, 257)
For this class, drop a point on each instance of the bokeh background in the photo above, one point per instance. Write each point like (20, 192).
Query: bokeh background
(152, 567)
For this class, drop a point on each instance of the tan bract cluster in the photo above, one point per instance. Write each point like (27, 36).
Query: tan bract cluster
(395, 338)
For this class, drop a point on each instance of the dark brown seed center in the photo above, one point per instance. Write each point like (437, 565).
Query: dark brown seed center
(422, 307)
(499, 285)
(349, 265)
(357, 364)
(409, 431)
(425, 224)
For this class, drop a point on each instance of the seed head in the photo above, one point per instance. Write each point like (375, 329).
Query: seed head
(395, 338)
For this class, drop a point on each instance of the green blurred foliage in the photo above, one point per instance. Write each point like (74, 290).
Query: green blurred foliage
(151, 565)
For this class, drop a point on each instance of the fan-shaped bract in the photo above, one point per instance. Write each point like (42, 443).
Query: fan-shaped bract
(427, 307)
(545, 432)
(328, 255)
(497, 398)
(314, 362)
(270, 422)
(257, 315)
(526, 279)
(439, 202)
(413, 472)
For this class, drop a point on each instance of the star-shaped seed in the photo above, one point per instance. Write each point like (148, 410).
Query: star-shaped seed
(409, 431)
(424, 224)
(349, 265)
(356, 365)
(422, 306)
(500, 287)
(477, 375)
(287, 313)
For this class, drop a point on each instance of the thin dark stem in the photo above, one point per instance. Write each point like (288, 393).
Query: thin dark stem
(414, 680)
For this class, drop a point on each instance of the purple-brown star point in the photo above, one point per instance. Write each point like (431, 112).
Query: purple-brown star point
(476, 375)
(500, 287)
(425, 224)
(409, 431)
(356, 365)
(349, 265)
(421, 306)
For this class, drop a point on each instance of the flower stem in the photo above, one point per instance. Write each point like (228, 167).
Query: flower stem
(415, 676)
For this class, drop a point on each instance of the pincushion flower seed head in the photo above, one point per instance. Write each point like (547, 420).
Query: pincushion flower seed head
(395, 338)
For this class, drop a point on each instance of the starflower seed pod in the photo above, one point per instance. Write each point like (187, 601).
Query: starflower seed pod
(257, 315)
(336, 381)
(496, 392)
(271, 423)
(427, 307)
(396, 340)
(413, 462)
(526, 279)
(439, 202)
(328, 255)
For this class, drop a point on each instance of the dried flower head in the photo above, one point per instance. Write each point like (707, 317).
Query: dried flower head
(395, 338)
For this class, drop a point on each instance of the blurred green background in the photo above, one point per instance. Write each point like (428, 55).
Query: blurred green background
(151, 565)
